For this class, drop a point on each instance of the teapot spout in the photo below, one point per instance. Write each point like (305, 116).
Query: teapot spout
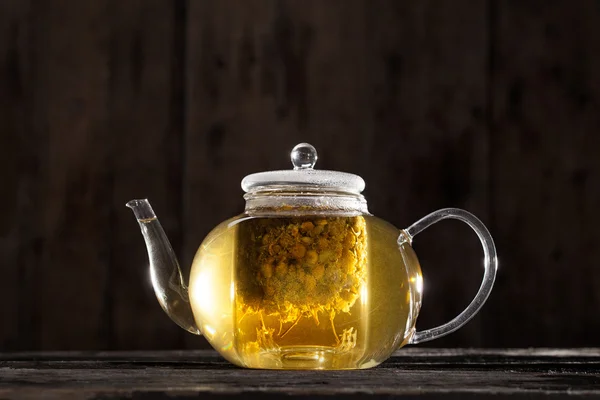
(167, 280)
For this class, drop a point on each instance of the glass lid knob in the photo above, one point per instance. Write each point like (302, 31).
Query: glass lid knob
(304, 156)
(304, 176)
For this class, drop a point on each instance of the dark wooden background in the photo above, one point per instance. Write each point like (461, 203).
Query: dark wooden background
(488, 105)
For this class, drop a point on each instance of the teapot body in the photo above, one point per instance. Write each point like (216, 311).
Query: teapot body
(325, 291)
(305, 278)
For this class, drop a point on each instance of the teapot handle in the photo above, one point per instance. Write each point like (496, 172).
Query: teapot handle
(490, 266)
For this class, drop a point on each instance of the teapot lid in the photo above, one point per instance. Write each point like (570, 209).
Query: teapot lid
(304, 157)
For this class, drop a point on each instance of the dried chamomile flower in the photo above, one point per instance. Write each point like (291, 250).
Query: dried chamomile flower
(299, 267)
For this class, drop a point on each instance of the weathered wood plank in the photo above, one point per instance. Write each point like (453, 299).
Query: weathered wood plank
(18, 172)
(146, 125)
(92, 113)
(457, 373)
(407, 355)
(394, 91)
(546, 173)
(69, 42)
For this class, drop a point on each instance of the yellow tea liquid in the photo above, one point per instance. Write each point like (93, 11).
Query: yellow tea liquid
(308, 292)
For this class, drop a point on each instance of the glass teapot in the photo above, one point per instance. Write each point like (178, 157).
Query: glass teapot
(305, 277)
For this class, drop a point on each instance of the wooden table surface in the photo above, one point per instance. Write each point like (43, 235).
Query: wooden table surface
(413, 372)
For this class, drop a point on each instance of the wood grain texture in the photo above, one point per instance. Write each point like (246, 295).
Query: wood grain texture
(19, 171)
(58, 105)
(93, 118)
(420, 373)
(146, 108)
(546, 173)
(69, 42)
